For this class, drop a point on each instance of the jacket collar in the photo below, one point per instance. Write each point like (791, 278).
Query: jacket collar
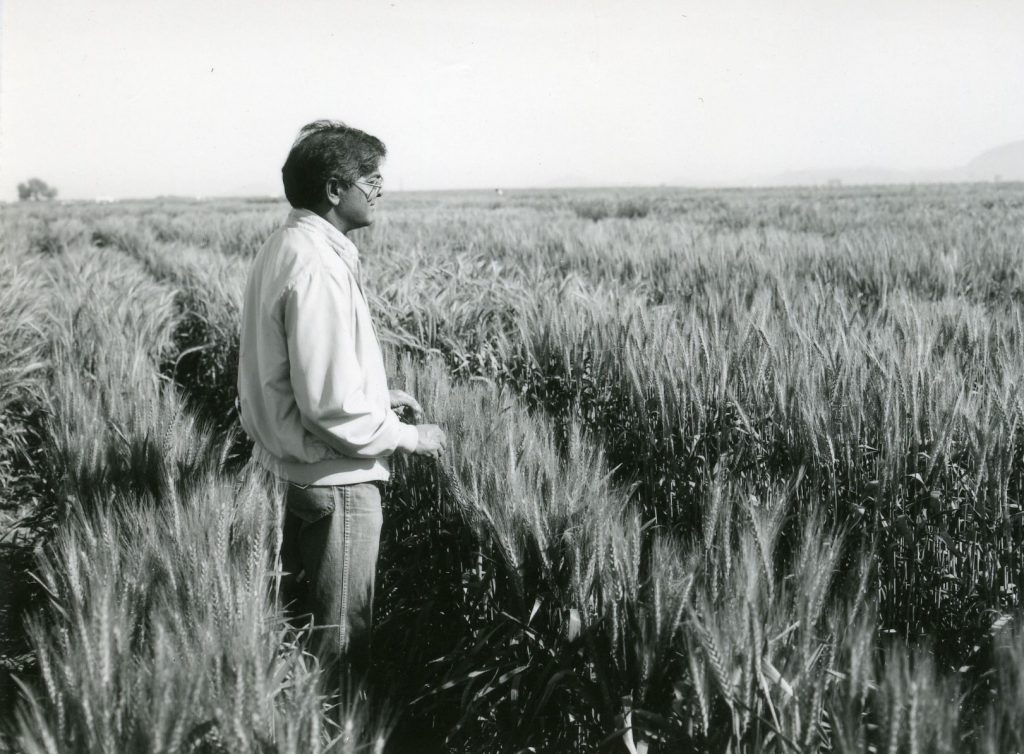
(338, 241)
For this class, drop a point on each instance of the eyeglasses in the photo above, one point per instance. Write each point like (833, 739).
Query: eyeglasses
(376, 188)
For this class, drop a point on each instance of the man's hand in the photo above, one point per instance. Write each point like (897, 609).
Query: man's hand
(432, 441)
(401, 399)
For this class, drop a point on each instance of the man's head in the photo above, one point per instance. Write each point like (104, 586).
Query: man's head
(334, 170)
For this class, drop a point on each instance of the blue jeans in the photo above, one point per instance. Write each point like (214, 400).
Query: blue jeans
(329, 555)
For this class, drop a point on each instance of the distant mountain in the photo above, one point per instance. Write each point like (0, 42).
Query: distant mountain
(1004, 163)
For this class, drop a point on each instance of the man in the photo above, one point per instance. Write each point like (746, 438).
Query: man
(312, 386)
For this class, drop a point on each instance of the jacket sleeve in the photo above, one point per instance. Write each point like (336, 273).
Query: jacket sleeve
(326, 376)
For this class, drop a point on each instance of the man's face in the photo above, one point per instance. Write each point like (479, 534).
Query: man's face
(356, 206)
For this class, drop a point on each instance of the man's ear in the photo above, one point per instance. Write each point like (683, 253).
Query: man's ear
(333, 191)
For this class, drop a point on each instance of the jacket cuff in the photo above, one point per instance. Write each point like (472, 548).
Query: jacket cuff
(408, 438)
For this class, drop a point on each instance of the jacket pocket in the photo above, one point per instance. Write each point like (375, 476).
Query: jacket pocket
(310, 503)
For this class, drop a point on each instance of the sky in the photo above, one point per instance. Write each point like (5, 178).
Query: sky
(137, 98)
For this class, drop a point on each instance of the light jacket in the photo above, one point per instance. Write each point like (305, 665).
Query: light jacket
(311, 382)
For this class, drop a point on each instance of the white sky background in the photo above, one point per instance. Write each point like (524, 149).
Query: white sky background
(131, 98)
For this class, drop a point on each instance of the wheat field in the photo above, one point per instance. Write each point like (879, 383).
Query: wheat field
(728, 471)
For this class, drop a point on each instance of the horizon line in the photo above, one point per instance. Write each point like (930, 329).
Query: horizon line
(837, 183)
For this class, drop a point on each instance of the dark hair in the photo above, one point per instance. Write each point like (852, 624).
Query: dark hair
(326, 149)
